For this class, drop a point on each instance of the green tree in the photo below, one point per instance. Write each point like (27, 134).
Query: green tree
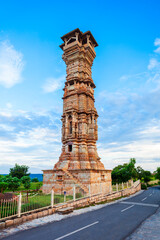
(13, 183)
(19, 171)
(147, 176)
(123, 173)
(158, 173)
(26, 180)
(35, 179)
(140, 172)
(3, 186)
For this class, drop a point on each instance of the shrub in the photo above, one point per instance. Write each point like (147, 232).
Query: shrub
(143, 186)
(35, 179)
(3, 186)
(26, 180)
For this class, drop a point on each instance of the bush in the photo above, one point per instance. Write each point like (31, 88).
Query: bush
(3, 186)
(143, 186)
(13, 183)
(35, 179)
(26, 180)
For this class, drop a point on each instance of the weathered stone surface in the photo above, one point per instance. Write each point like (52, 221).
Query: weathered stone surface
(45, 212)
(17, 221)
(2, 225)
(29, 217)
(9, 223)
(79, 162)
(50, 211)
(40, 214)
(34, 215)
(24, 218)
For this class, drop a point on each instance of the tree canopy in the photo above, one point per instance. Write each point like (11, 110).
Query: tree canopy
(19, 171)
(123, 173)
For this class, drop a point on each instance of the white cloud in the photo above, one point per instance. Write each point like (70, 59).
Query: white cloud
(153, 63)
(53, 84)
(11, 65)
(145, 149)
(157, 43)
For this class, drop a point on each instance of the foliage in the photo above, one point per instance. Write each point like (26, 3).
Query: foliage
(13, 183)
(3, 186)
(158, 173)
(123, 173)
(140, 172)
(35, 179)
(19, 171)
(26, 180)
(147, 176)
(143, 186)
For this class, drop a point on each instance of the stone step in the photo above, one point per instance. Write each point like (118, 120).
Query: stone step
(76, 180)
(65, 210)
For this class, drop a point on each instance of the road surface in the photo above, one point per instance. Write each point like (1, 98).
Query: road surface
(112, 222)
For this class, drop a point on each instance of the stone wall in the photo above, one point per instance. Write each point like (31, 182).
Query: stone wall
(75, 204)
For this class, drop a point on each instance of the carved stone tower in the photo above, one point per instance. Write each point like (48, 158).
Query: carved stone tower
(79, 162)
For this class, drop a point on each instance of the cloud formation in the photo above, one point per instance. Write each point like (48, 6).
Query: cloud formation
(29, 138)
(11, 65)
(53, 84)
(157, 44)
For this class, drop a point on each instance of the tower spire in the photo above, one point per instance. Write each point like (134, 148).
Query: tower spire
(79, 162)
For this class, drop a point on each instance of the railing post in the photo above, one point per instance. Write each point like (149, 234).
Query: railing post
(122, 186)
(19, 204)
(117, 187)
(52, 198)
(74, 193)
(110, 189)
(64, 197)
(127, 184)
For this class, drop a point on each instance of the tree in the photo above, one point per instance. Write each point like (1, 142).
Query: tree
(13, 183)
(35, 179)
(123, 173)
(147, 176)
(19, 171)
(158, 173)
(26, 180)
(140, 172)
(3, 186)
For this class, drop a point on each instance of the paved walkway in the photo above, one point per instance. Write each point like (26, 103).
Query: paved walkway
(149, 230)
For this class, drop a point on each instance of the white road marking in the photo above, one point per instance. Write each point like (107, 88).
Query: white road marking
(142, 204)
(144, 199)
(127, 208)
(150, 194)
(78, 230)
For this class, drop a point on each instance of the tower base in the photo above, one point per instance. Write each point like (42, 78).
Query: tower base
(91, 181)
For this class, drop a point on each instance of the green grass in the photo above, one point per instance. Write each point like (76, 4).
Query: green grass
(33, 202)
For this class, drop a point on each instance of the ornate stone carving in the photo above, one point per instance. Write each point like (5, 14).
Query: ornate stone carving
(79, 120)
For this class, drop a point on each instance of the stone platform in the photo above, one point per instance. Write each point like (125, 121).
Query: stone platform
(93, 181)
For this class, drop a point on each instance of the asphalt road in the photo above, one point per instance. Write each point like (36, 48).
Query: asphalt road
(113, 222)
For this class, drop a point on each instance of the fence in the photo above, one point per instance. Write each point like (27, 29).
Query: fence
(118, 187)
(30, 202)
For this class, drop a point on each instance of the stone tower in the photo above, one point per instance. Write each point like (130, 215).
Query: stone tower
(79, 162)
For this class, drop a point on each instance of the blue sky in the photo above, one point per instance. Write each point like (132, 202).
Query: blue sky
(126, 72)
